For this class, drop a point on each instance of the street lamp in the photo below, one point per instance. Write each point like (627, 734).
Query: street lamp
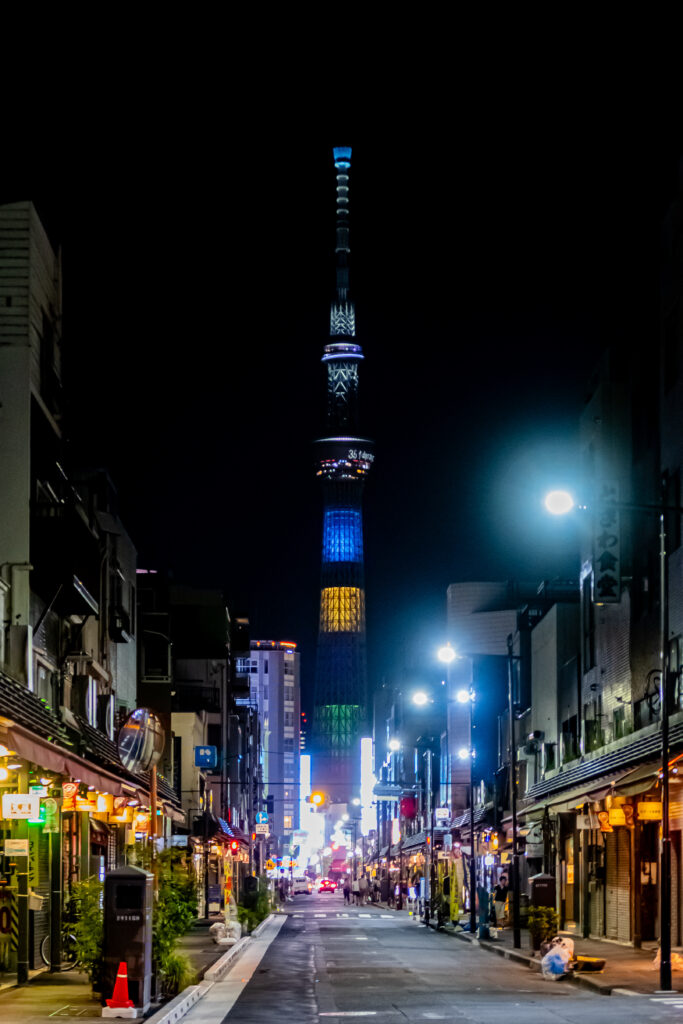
(559, 503)
(467, 753)
(446, 654)
(420, 698)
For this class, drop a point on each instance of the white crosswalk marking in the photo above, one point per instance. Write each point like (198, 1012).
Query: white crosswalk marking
(390, 916)
(365, 915)
(320, 915)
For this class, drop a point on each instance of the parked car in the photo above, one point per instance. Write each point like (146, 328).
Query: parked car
(327, 885)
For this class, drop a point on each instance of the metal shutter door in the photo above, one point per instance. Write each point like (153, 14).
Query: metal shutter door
(623, 884)
(611, 874)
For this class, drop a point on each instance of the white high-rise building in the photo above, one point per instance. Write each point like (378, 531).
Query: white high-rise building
(274, 687)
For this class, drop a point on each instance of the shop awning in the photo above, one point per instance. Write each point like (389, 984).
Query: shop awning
(56, 759)
(571, 799)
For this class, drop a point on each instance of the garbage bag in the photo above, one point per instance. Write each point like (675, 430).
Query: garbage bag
(564, 942)
(555, 963)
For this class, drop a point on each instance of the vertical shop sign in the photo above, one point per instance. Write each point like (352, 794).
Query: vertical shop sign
(607, 546)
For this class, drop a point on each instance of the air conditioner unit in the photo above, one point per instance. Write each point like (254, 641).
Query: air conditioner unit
(20, 654)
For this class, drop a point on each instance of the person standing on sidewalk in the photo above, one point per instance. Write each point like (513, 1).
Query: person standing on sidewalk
(355, 891)
(500, 895)
(347, 890)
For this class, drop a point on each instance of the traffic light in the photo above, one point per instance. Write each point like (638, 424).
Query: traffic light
(270, 804)
(234, 846)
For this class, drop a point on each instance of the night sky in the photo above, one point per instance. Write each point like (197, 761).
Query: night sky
(494, 256)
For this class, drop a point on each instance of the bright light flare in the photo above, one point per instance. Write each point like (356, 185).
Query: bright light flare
(420, 698)
(394, 745)
(463, 753)
(446, 654)
(463, 696)
(558, 503)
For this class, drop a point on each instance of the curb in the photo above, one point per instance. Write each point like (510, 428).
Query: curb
(601, 987)
(185, 1000)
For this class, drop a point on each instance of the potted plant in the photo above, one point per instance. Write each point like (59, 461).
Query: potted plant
(542, 923)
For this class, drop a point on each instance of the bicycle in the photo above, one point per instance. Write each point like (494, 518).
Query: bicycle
(69, 952)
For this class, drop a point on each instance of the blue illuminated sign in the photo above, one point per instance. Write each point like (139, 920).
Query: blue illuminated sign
(205, 757)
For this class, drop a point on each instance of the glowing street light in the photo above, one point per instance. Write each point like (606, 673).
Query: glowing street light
(446, 654)
(463, 696)
(464, 753)
(558, 503)
(394, 745)
(420, 698)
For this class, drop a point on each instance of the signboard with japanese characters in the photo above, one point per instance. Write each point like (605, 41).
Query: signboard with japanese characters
(21, 805)
(650, 810)
(607, 546)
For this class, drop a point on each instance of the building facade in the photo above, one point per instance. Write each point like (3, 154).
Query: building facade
(343, 461)
(68, 638)
(274, 688)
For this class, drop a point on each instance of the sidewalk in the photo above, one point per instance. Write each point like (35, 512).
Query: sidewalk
(69, 994)
(626, 968)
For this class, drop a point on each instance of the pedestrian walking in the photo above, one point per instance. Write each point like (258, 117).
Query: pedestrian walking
(363, 889)
(355, 889)
(347, 891)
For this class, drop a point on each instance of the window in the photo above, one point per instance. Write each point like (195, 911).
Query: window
(619, 723)
(588, 615)
(288, 820)
(289, 744)
(265, 666)
(570, 746)
(289, 718)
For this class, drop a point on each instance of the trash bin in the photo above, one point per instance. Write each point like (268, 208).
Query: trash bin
(542, 891)
(128, 933)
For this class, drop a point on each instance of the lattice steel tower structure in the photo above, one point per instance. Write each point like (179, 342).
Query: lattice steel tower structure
(343, 460)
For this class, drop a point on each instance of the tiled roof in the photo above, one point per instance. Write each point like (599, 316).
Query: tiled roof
(30, 711)
(98, 745)
(632, 754)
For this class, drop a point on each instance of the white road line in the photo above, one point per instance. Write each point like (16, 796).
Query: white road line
(390, 916)
(365, 915)
(320, 915)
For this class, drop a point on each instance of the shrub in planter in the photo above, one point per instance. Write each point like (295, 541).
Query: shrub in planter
(85, 913)
(543, 924)
(175, 910)
(177, 974)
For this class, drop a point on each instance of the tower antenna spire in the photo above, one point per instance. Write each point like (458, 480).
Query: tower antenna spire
(342, 313)
(343, 460)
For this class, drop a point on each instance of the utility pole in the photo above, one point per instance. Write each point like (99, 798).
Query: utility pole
(430, 838)
(516, 938)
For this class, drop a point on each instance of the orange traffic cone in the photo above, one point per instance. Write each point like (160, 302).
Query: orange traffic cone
(120, 999)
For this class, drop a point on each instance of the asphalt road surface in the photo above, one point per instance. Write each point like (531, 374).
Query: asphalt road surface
(328, 963)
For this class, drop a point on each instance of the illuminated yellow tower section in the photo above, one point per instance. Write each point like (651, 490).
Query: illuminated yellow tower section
(343, 461)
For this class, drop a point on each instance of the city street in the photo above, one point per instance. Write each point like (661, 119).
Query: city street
(331, 962)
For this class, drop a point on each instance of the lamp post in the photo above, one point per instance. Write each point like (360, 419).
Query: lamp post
(559, 503)
(467, 697)
(516, 937)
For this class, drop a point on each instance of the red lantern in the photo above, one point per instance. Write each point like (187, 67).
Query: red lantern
(408, 807)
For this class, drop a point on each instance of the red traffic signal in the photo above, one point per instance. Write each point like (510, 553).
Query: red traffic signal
(234, 845)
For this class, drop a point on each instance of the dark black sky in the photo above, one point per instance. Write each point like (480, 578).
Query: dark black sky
(495, 254)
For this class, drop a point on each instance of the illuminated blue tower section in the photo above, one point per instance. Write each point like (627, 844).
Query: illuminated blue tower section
(343, 460)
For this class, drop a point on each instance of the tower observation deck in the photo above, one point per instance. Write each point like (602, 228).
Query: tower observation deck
(343, 460)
